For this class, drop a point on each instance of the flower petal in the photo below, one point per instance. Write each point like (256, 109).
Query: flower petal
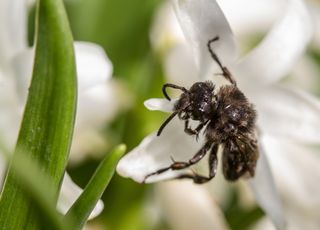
(13, 28)
(69, 194)
(93, 85)
(155, 152)
(298, 173)
(165, 30)
(186, 205)
(10, 112)
(97, 106)
(275, 56)
(289, 113)
(160, 104)
(93, 65)
(295, 221)
(22, 65)
(314, 8)
(201, 21)
(264, 189)
(240, 15)
(180, 67)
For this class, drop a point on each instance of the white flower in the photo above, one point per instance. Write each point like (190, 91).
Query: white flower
(199, 212)
(96, 92)
(287, 117)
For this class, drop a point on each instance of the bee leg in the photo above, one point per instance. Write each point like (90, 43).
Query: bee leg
(195, 131)
(199, 179)
(189, 130)
(177, 165)
(225, 72)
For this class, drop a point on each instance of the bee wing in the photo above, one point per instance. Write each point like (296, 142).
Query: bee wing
(239, 158)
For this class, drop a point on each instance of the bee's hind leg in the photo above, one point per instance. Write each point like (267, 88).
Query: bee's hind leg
(199, 179)
(177, 165)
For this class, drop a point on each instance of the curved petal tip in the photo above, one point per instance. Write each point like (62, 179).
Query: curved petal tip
(160, 104)
(201, 21)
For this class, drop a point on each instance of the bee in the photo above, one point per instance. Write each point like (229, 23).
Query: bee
(228, 119)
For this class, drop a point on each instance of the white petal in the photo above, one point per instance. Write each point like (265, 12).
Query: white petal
(297, 174)
(295, 222)
(181, 69)
(70, 193)
(305, 75)
(276, 55)
(155, 153)
(10, 113)
(97, 106)
(264, 189)
(179, 66)
(87, 142)
(314, 8)
(186, 205)
(289, 113)
(93, 65)
(22, 66)
(165, 30)
(160, 104)
(10, 117)
(201, 21)
(13, 28)
(241, 18)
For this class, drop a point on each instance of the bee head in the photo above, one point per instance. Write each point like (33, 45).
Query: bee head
(197, 102)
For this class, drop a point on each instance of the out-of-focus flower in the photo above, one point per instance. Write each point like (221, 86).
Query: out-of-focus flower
(287, 117)
(96, 92)
(188, 206)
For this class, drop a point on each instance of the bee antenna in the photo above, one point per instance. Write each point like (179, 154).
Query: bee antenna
(168, 85)
(166, 122)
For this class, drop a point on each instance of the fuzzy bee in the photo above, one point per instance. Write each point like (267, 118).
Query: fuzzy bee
(228, 119)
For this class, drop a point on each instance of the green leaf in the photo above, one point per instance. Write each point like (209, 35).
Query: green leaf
(38, 186)
(81, 209)
(47, 126)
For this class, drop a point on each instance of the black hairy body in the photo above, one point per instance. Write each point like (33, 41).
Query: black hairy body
(228, 119)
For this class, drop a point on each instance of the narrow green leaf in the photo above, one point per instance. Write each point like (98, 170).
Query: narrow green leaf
(38, 186)
(47, 126)
(81, 209)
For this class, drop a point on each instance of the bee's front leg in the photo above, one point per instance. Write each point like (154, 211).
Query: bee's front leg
(195, 131)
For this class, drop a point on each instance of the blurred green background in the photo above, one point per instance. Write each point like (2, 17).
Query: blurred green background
(122, 28)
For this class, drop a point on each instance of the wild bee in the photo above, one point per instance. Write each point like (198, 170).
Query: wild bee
(228, 119)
